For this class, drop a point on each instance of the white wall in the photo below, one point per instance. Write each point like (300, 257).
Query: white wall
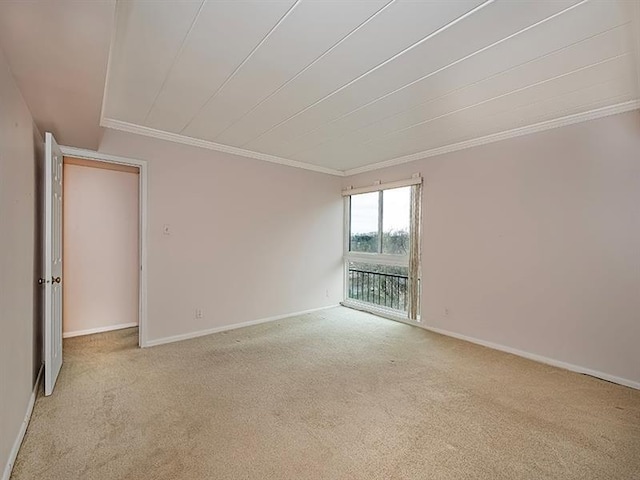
(100, 247)
(249, 239)
(20, 337)
(534, 242)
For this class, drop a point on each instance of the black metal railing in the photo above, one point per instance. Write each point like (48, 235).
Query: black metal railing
(383, 289)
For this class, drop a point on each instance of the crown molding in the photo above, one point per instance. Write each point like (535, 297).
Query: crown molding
(219, 147)
(495, 137)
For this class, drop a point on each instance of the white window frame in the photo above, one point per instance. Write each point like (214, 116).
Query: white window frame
(385, 259)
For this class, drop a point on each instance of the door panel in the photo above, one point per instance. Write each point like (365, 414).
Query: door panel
(52, 263)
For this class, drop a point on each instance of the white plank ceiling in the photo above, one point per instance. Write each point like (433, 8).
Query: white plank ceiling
(345, 84)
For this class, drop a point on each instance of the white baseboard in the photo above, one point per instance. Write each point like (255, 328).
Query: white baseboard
(23, 428)
(202, 333)
(91, 331)
(537, 358)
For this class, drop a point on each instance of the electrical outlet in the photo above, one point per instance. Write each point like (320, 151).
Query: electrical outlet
(446, 311)
(327, 293)
(199, 313)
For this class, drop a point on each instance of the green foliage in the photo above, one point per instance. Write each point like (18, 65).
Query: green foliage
(364, 242)
(395, 242)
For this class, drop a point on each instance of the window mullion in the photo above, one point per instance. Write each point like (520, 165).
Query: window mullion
(380, 200)
(347, 223)
(346, 245)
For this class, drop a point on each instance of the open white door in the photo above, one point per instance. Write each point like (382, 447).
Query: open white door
(52, 263)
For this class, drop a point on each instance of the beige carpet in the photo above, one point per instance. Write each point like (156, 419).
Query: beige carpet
(333, 395)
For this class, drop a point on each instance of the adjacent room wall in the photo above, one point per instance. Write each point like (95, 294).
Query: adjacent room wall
(533, 243)
(246, 239)
(101, 260)
(20, 338)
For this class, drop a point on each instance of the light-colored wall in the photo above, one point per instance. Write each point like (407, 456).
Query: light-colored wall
(20, 337)
(534, 242)
(248, 239)
(100, 247)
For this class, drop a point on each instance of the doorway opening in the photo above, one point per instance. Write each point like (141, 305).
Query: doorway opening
(100, 246)
(107, 160)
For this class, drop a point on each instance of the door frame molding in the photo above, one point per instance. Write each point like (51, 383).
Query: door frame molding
(143, 219)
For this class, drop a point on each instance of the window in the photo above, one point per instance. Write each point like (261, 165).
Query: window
(364, 222)
(380, 222)
(383, 239)
(396, 217)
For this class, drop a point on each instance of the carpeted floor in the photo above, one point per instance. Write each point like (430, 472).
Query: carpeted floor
(337, 394)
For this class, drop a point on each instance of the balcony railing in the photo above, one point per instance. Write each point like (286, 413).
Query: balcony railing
(382, 289)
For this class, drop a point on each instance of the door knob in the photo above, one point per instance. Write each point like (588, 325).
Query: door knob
(41, 281)
(56, 280)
